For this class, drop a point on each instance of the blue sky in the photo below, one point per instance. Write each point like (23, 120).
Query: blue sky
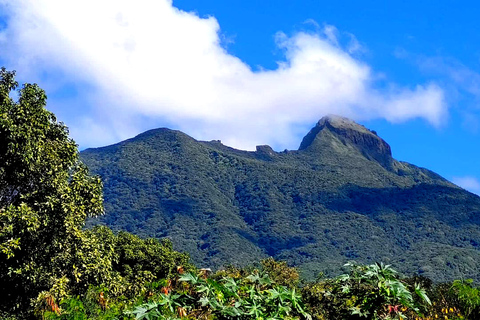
(258, 72)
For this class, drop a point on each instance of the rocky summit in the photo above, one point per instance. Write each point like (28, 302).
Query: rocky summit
(335, 129)
(339, 197)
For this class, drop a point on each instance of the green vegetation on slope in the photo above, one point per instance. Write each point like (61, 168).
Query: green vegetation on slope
(340, 197)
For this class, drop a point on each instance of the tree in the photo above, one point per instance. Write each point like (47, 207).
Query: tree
(46, 194)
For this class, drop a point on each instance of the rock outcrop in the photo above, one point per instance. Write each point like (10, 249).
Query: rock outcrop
(350, 134)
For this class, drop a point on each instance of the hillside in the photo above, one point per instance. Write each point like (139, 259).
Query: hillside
(340, 197)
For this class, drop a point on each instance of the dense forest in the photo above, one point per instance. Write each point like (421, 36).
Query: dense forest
(340, 197)
(52, 267)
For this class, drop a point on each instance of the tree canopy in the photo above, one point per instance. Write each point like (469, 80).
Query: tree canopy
(46, 194)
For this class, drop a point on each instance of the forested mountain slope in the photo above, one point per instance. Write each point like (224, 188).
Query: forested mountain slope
(340, 197)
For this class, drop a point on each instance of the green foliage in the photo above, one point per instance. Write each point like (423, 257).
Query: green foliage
(367, 291)
(373, 291)
(96, 303)
(136, 267)
(455, 300)
(45, 196)
(280, 272)
(136, 262)
(255, 296)
(7, 316)
(468, 298)
(147, 256)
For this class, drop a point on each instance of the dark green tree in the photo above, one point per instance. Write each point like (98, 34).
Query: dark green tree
(46, 194)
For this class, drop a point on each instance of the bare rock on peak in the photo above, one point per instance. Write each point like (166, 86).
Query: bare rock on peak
(350, 134)
(265, 152)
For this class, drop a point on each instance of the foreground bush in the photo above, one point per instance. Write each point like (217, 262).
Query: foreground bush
(372, 292)
(457, 300)
(367, 292)
(253, 297)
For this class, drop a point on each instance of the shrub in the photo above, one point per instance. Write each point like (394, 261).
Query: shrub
(374, 291)
(197, 296)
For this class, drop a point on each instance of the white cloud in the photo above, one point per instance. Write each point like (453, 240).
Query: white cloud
(469, 183)
(460, 84)
(150, 60)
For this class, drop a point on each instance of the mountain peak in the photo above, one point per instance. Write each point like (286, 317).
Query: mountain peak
(342, 122)
(333, 128)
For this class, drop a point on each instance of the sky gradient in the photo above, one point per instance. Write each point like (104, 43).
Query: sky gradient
(258, 72)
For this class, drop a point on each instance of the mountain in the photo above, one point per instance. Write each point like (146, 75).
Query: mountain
(339, 197)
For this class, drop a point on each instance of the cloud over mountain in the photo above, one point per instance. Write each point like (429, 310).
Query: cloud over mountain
(135, 65)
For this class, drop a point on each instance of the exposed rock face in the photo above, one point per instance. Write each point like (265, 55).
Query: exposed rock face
(265, 152)
(350, 134)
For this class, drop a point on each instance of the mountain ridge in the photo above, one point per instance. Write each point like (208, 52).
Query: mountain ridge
(341, 196)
